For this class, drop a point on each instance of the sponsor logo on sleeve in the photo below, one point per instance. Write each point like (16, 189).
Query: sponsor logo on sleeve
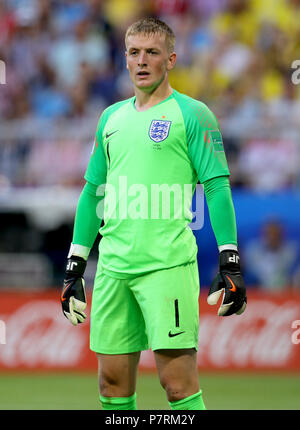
(216, 139)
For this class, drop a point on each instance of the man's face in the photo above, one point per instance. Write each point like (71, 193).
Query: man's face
(148, 60)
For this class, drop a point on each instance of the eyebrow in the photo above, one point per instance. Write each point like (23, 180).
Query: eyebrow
(147, 49)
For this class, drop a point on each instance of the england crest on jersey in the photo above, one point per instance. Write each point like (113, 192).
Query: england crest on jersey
(159, 130)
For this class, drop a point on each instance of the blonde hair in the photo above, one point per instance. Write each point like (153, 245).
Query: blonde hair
(150, 26)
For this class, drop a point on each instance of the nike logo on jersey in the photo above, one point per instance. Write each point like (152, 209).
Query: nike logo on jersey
(175, 334)
(110, 134)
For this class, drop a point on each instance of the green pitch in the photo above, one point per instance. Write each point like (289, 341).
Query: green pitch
(80, 391)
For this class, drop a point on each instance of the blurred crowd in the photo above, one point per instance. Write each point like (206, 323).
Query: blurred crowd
(64, 63)
(272, 260)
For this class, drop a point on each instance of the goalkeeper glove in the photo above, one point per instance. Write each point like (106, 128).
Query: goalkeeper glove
(229, 280)
(73, 297)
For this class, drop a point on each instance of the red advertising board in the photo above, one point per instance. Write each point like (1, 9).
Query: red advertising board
(34, 334)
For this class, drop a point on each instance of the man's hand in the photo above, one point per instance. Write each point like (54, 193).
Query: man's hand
(229, 280)
(73, 298)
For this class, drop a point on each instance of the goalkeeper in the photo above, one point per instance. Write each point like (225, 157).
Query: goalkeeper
(146, 287)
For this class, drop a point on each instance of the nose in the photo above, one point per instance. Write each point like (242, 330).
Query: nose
(142, 59)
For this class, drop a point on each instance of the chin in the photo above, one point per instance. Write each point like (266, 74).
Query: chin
(143, 84)
(150, 86)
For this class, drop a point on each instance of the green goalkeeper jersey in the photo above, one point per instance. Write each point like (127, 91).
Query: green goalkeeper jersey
(147, 165)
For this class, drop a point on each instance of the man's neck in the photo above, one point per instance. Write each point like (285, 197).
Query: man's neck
(145, 100)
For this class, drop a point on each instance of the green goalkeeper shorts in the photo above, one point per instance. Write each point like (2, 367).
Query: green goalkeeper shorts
(158, 310)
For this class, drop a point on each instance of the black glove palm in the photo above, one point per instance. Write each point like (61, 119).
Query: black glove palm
(229, 280)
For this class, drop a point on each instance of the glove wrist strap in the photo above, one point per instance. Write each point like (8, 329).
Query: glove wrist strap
(229, 260)
(75, 266)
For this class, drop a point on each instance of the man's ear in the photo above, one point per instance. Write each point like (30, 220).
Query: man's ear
(126, 59)
(171, 61)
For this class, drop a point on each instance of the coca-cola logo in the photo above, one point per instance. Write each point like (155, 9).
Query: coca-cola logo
(261, 337)
(37, 334)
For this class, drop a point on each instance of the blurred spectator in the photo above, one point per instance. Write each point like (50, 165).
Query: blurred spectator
(67, 157)
(121, 13)
(7, 24)
(84, 46)
(269, 164)
(271, 260)
(208, 8)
